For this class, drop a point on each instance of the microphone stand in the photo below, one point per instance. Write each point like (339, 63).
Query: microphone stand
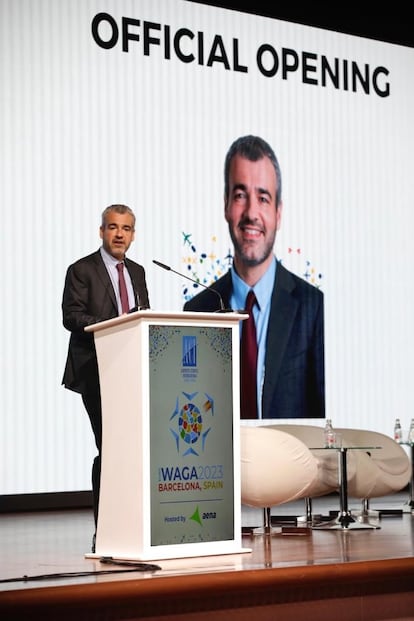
(170, 269)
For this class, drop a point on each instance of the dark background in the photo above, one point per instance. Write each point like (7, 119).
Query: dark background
(391, 23)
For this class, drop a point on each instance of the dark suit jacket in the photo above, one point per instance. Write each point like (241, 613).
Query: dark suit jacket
(88, 298)
(294, 384)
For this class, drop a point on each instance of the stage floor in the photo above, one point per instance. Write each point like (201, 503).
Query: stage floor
(48, 548)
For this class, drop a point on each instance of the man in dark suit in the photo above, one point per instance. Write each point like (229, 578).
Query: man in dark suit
(289, 313)
(91, 294)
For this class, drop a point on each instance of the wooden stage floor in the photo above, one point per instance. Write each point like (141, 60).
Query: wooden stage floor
(309, 574)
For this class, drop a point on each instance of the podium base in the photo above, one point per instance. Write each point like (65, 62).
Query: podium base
(153, 555)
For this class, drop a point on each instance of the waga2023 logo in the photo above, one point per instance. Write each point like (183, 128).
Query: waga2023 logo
(191, 410)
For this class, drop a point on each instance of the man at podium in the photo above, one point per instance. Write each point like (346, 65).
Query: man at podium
(288, 311)
(98, 287)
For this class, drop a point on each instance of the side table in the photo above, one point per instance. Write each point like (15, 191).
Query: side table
(345, 520)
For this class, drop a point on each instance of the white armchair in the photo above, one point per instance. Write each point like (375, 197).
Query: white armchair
(379, 471)
(276, 468)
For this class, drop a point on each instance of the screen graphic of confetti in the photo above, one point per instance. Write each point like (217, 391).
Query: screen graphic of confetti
(205, 266)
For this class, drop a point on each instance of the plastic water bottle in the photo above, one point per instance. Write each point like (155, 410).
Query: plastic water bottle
(397, 431)
(329, 434)
(411, 432)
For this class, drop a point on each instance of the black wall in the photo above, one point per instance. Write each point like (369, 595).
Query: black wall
(392, 23)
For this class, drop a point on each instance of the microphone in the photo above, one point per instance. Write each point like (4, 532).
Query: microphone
(170, 269)
(138, 306)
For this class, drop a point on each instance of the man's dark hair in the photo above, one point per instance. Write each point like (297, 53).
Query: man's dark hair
(252, 148)
(121, 209)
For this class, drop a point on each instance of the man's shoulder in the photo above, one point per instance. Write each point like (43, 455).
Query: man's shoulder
(198, 301)
(134, 268)
(303, 286)
(132, 263)
(88, 259)
(204, 300)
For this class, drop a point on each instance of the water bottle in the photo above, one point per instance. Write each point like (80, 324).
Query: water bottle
(411, 432)
(329, 434)
(398, 431)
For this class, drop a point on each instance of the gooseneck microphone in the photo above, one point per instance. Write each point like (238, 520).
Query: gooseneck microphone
(138, 306)
(170, 269)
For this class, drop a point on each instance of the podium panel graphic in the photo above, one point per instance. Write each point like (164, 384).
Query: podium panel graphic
(170, 480)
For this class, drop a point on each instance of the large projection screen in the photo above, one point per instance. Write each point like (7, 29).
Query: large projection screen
(136, 102)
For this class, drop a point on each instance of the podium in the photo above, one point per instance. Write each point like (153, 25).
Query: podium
(170, 475)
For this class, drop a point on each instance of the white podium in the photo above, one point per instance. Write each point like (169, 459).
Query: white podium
(170, 479)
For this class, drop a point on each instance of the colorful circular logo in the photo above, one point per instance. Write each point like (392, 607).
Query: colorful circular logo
(190, 423)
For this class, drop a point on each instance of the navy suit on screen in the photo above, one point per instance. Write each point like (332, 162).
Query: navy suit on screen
(294, 384)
